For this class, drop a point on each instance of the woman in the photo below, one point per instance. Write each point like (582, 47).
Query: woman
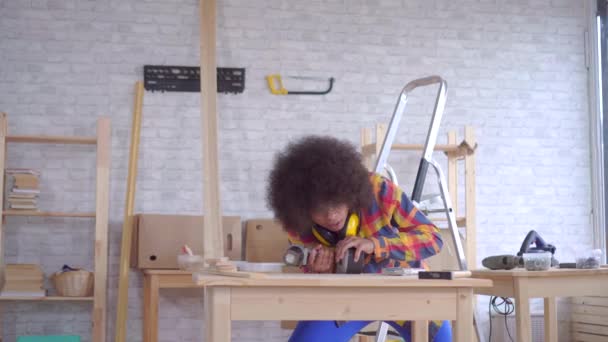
(325, 198)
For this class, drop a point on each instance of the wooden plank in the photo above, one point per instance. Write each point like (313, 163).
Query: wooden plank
(339, 281)
(218, 314)
(3, 133)
(237, 274)
(212, 233)
(46, 299)
(550, 320)
(470, 202)
(127, 225)
(583, 337)
(591, 310)
(588, 319)
(591, 328)
(302, 303)
(416, 147)
(45, 213)
(48, 139)
(460, 221)
(595, 301)
(102, 204)
(265, 241)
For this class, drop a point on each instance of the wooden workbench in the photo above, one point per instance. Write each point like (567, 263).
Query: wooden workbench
(344, 297)
(523, 285)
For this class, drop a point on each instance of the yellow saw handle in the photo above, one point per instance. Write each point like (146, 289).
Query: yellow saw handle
(271, 84)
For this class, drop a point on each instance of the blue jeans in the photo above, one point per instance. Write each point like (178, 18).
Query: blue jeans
(327, 331)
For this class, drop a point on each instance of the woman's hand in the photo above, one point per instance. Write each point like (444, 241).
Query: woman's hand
(359, 243)
(321, 259)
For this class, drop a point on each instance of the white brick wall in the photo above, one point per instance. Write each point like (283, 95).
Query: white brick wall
(515, 71)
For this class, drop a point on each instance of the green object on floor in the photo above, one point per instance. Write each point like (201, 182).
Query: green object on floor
(65, 338)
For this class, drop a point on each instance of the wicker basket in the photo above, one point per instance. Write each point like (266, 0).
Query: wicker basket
(74, 283)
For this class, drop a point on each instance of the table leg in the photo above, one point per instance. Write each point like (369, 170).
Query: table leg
(522, 310)
(151, 292)
(463, 329)
(420, 331)
(550, 320)
(217, 314)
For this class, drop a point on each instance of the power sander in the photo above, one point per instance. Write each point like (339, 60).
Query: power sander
(508, 261)
(297, 255)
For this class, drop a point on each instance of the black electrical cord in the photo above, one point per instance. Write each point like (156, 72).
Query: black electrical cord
(508, 308)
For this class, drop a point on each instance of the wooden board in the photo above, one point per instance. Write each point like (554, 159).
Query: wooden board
(339, 280)
(102, 207)
(3, 133)
(127, 234)
(265, 241)
(212, 233)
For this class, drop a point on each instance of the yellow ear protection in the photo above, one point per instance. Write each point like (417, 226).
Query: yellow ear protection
(330, 238)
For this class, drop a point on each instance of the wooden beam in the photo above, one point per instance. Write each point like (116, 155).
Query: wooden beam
(470, 201)
(3, 134)
(102, 202)
(47, 139)
(212, 231)
(127, 225)
(453, 173)
(366, 139)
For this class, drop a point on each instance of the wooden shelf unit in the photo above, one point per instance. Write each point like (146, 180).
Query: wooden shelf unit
(100, 245)
(455, 152)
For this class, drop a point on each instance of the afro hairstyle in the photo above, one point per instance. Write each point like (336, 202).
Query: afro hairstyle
(313, 172)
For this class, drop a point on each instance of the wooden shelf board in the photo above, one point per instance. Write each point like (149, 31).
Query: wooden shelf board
(47, 299)
(49, 139)
(46, 213)
(460, 221)
(371, 148)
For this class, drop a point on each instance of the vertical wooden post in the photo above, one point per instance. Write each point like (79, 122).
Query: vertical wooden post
(453, 173)
(212, 231)
(3, 134)
(101, 229)
(127, 225)
(380, 133)
(470, 200)
(366, 139)
(550, 319)
(217, 314)
(464, 320)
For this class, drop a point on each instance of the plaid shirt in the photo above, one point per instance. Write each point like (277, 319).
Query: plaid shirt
(401, 234)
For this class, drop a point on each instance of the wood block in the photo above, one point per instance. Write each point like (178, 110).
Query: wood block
(157, 239)
(266, 241)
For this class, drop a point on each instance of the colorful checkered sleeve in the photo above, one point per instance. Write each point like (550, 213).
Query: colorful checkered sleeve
(402, 231)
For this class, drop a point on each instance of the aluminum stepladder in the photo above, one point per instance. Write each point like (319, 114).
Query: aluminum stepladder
(425, 161)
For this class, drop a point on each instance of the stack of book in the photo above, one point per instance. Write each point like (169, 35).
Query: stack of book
(22, 189)
(23, 280)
